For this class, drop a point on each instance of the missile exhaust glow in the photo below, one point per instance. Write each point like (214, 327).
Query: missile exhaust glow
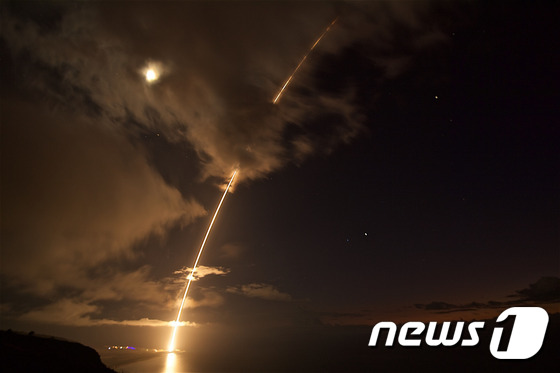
(190, 277)
(279, 94)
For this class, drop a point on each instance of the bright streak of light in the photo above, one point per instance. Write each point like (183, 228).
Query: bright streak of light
(190, 278)
(170, 363)
(301, 62)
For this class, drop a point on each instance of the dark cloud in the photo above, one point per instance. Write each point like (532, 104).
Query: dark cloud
(231, 251)
(263, 291)
(545, 290)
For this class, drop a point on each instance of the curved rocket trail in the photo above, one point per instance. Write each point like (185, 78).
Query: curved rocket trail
(171, 346)
(301, 62)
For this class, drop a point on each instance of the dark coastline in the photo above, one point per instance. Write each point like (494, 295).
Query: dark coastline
(25, 353)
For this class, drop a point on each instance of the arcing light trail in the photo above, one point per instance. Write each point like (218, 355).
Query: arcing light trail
(301, 62)
(149, 77)
(171, 346)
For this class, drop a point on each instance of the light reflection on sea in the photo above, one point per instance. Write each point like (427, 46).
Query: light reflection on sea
(146, 361)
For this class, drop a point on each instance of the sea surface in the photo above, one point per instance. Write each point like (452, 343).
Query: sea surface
(146, 361)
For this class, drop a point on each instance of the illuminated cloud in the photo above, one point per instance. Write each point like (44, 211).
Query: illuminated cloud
(202, 296)
(77, 197)
(227, 116)
(136, 285)
(201, 271)
(72, 313)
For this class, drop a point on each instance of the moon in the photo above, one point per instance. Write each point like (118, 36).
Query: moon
(151, 75)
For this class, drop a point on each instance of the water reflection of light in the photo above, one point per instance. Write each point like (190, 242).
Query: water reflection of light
(170, 363)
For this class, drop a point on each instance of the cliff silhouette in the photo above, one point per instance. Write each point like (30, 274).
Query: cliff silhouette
(24, 353)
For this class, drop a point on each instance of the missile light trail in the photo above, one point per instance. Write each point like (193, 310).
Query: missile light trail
(171, 346)
(279, 94)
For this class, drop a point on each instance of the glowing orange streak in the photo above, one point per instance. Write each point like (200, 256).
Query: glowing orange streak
(302, 61)
(191, 276)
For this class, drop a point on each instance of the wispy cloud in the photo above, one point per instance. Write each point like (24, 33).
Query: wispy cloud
(260, 290)
(230, 250)
(74, 313)
(545, 290)
(206, 298)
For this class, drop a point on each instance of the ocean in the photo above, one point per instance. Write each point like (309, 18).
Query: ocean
(146, 361)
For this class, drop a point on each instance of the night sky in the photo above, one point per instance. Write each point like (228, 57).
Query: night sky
(409, 171)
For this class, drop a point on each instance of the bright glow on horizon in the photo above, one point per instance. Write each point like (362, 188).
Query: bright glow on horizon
(170, 363)
(190, 277)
